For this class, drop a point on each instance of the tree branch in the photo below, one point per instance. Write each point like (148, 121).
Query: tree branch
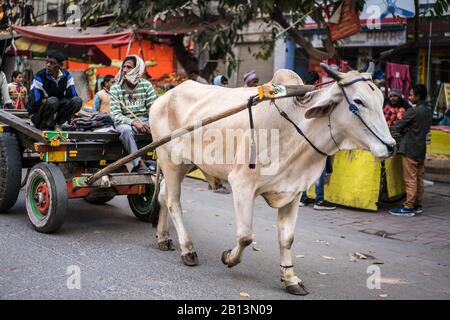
(330, 52)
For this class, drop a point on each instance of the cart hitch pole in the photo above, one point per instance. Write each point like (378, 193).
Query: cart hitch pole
(265, 92)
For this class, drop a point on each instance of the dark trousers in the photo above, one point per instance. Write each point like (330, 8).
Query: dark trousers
(56, 111)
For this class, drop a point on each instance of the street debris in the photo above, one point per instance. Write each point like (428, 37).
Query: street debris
(255, 248)
(329, 258)
(300, 256)
(363, 256)
(323, 241)
(322, 273)
(426, 273)
(383, 295)
(244, 294)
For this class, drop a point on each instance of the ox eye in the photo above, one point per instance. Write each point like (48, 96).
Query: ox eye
(357, 101)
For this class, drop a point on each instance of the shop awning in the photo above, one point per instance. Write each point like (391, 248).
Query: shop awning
(89, 36)
(97, 35)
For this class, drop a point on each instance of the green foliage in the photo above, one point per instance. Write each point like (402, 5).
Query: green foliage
(222, 21)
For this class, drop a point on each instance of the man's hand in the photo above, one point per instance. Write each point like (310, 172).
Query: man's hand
(143, 128)
(137, 124)
(147, 129)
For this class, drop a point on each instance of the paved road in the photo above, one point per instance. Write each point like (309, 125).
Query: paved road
(118, 257)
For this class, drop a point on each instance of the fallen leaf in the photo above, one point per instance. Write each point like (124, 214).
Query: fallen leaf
(322, 241)
(244, 294)
(329, 258)
(383, 295)
(426, 273)
(322, 273)
(255, 248)
(300, 256)
(378, 262)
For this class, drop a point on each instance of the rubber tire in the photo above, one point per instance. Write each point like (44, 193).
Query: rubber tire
(98, 200)
(147, 215)
(56, 182)
(10, 170)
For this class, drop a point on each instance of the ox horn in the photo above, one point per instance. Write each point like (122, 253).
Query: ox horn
(333, 74)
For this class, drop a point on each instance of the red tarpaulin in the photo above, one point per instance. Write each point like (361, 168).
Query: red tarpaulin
(89, 36)
(96, 36)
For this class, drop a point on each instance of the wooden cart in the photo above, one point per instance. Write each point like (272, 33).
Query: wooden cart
(58, 163)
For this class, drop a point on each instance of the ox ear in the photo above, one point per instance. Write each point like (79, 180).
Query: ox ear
(322, 105)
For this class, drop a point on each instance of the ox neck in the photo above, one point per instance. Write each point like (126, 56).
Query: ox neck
(323, 138)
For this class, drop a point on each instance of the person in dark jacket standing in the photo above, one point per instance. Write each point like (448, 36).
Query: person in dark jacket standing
(53, 98)
(412, 131)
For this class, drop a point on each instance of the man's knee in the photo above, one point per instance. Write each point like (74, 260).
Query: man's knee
(126, 131)
(52, 102)
(77, 102)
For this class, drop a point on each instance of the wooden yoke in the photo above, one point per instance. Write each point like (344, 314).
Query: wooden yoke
(268, 92)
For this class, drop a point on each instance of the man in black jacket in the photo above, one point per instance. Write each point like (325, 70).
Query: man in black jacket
(53, 98)
(412, 131)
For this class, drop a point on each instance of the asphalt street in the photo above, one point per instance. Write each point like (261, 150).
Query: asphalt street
(118, 258)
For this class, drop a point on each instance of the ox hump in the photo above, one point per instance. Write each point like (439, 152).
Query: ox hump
(286, 77)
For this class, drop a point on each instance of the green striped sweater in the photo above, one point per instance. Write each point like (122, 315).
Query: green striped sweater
(138, 102)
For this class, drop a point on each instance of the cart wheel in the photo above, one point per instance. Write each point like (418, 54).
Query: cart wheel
(99, 200)
(141, 205)
(10, 170)
(46, 197)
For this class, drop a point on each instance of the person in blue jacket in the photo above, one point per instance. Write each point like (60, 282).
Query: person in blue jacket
(53, 99)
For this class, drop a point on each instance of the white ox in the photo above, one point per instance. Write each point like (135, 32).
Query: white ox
(299, 165)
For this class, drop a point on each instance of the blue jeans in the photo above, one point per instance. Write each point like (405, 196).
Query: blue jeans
(127, 133)
(320, 186)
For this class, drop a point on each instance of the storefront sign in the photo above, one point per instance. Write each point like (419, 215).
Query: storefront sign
(376, 39)
(367, 39)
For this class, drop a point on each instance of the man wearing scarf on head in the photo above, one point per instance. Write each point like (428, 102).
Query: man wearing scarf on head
(137, 94)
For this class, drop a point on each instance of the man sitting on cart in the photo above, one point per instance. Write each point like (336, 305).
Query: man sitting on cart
(53, 98)
(131, 98)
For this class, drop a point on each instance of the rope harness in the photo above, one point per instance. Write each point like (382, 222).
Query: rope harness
(352, 107)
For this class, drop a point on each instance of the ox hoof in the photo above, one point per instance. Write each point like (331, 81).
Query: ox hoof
(166, 245)
(297, 289)
(225, 259)
(225, 256)
(190, 259)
